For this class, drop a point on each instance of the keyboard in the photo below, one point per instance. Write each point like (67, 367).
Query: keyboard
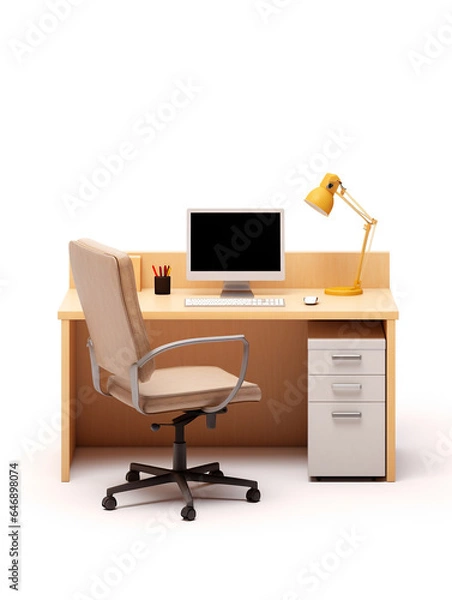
(266, 302)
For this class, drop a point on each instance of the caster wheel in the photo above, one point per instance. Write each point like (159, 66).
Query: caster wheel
(188, 513)
(109, 502)
(253, 495)
(217, 473)
(132, 476)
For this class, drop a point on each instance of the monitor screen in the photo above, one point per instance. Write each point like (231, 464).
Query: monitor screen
(235, 245)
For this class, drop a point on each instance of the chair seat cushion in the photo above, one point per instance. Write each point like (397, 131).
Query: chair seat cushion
(184, 388)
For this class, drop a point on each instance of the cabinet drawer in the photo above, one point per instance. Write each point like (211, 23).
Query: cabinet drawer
(346, 439)
(350, 388)
(353, 361)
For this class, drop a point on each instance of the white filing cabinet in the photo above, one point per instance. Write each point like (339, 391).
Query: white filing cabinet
(346, 399)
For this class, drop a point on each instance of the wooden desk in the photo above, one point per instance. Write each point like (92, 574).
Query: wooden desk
(278, 354)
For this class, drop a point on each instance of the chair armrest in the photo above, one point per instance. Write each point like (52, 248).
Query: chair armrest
(95, 370)
(134, 386)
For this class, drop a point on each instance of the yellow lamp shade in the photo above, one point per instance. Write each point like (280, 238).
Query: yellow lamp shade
(320, 199)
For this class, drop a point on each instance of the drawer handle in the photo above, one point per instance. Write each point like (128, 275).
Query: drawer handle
(346, 356)
(346, 414)
(346, 386)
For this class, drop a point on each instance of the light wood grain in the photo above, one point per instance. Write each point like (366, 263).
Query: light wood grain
(390, 332)
(303, 270)
(278, 354)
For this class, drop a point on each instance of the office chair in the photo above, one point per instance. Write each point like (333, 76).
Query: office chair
(118, 343)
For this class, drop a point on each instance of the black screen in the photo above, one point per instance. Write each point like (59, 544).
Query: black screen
(235, 241)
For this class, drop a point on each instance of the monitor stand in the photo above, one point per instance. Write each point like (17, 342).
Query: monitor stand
(237, 289)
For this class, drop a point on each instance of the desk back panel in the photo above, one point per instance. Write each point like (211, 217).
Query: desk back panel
(303, 270)
(278, 360)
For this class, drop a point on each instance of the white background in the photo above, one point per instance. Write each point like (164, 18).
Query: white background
(274, 84)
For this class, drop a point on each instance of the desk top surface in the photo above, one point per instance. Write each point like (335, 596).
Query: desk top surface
(374, 303)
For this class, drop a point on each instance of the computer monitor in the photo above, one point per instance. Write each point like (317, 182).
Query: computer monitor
(235, 246)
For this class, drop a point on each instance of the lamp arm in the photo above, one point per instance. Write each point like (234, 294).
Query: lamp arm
(369, 226)
(348, 199)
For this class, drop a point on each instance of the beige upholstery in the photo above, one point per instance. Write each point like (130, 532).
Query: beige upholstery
(118, 342)
(184, 388)
(106, 286)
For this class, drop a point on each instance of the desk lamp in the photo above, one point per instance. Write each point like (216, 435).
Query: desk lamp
(322, 199)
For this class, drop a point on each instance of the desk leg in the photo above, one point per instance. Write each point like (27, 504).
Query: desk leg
(68, 397)
(390, 401)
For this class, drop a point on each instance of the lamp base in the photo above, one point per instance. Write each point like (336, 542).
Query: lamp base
(344, 291)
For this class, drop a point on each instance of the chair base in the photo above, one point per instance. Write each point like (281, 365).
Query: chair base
(180, 474)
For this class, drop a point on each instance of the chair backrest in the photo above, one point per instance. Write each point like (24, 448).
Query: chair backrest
(105, 284)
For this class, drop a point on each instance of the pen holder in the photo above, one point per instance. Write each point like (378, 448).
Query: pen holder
(162, 285)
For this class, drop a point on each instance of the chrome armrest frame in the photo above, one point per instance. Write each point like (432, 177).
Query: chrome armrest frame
(95, 370)
(134, 385)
